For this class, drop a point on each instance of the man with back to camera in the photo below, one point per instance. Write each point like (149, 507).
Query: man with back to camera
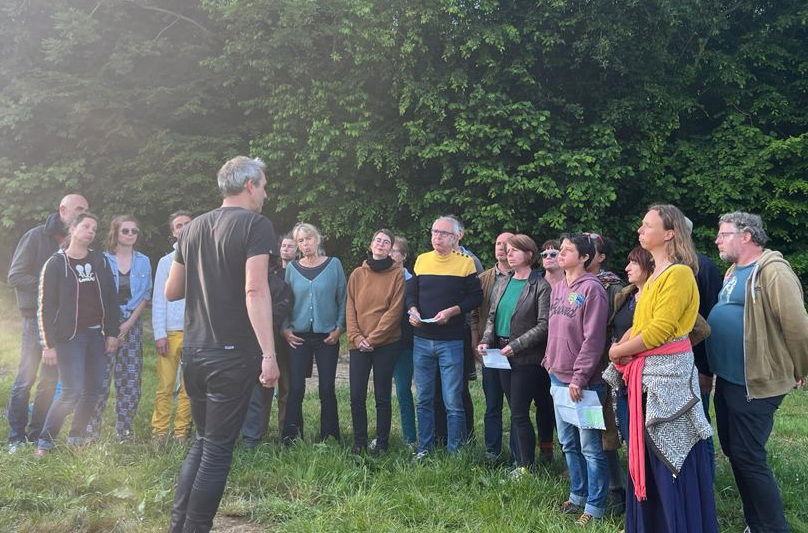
(34, 248)
(222, 270)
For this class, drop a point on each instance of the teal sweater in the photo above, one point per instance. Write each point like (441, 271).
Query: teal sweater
(319, 303)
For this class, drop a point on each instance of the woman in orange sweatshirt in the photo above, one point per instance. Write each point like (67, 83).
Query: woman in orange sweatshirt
(374, 306)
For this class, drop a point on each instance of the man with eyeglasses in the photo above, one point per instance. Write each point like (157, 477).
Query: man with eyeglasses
(758, 351)
(443, 288)
(34, 248)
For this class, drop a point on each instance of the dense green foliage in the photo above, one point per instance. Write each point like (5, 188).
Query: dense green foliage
(538, 116)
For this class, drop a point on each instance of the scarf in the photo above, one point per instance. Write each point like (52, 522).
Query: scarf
(632, 375)
(377, 265)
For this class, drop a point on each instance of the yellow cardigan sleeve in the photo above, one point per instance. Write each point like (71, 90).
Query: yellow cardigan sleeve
(671, 307)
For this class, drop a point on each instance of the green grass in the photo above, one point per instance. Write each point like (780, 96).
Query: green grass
(322, 487)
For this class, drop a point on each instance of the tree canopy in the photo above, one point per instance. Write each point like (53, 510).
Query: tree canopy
(537, 117)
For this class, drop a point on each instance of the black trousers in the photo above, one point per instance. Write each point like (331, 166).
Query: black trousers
(300, 359)
(743, 429)
(218, 383)
(383, 361)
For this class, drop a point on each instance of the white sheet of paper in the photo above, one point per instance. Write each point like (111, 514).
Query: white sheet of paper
(424, 320)
(586, 414)
(493, 358)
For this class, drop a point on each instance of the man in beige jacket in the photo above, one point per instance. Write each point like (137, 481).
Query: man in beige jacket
(758, 351)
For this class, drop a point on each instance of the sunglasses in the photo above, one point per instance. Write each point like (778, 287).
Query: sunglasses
(127, 231)
(549, 254)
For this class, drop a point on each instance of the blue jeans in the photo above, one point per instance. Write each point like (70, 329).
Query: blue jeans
(82, 365)
(30, 356)
(428, 356)
(402, 373)
(587, 464)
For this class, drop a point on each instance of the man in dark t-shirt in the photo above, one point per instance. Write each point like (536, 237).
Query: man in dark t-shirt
(221, 269)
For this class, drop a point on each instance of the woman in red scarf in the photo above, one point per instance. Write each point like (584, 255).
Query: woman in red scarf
(670, 477)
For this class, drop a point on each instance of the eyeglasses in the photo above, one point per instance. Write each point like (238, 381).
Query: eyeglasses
(440, 233)
(549, 254)
(383, 242)
(127, 231)
(721, 235)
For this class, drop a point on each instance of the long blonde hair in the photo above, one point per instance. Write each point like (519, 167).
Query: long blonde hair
(680, 249)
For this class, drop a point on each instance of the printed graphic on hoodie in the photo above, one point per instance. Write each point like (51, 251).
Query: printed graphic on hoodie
(89, 300)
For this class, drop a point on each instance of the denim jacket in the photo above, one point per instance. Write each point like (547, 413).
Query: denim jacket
(140, 280)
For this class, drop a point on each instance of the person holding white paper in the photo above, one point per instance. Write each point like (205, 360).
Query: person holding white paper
(577, 334)
(517, 324)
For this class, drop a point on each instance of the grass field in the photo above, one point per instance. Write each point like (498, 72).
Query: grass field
(129, 487)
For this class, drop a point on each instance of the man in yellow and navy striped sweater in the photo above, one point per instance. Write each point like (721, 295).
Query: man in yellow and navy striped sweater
(444, 287)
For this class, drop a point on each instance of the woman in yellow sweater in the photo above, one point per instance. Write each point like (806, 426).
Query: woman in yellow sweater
(373, 311)
(670, 474)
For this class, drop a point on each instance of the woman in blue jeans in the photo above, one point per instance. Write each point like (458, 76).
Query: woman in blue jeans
(313, 330)
(404, 369)
(577, 334)
(78, 326)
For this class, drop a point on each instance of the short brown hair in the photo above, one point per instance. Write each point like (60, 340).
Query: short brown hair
(551, 244)
(525, 244)
(643, 258)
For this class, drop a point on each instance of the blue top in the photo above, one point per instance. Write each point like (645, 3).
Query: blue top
(319, 303)
(140, 280)
(166, 316)
(725, 347)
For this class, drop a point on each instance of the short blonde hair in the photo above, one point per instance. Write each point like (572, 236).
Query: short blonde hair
(307, 229)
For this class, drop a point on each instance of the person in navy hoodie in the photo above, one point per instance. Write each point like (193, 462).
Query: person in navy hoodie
(78, 324)
(577, 334)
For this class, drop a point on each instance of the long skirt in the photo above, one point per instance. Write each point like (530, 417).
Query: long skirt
(682, 504)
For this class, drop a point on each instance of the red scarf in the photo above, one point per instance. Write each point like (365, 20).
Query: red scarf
(632, 375)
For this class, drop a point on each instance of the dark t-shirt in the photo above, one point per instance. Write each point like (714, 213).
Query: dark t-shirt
(124, 288)
(310, 272)
(214, 248)
(89, 301)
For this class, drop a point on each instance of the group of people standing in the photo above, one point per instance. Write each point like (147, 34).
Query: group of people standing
(246, 312)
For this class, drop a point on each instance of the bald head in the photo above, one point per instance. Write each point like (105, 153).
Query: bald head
(499, 247)
(70, 206)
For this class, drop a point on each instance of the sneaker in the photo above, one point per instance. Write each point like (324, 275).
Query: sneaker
(420, 456)
(39, 453)
(585, 519)
(518, 472)
(14, 447)
(372, 445)
(570, 508)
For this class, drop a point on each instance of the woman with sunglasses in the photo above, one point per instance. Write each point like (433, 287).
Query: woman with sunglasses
(78, 323)
(549, 262)
(670, 482)
(373, 311)
(132, 274)
(517, 324)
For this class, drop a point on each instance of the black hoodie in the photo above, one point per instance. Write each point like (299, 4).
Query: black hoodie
(34, 248)
(57, 312)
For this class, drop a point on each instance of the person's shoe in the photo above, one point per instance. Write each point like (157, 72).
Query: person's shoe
(39, 453)
(372, 445)
(617, 501)
(14, 447)
(420, 457)
(570, 508)
(518, 472)
(585, 519)
(546, 457)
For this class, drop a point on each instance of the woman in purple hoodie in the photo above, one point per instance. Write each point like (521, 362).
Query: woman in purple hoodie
(577, 333)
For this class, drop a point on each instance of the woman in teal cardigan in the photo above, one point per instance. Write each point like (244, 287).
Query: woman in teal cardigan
(313, 330)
